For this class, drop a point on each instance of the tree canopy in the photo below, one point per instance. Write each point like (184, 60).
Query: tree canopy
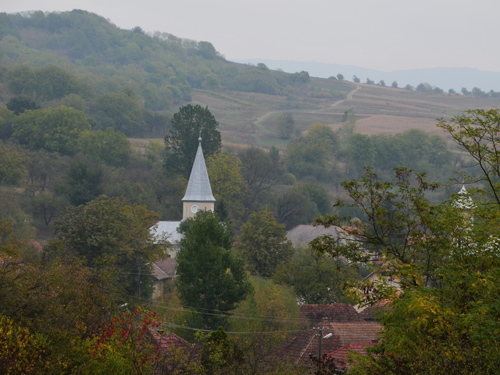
(211, 278)
(187, 125)
(51, 129)
(441, 313)
(110, 231)
(263, 243)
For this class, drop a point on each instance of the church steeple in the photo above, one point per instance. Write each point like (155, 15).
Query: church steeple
(199, 192)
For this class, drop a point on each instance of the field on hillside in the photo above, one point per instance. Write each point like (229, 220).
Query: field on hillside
(253, 119)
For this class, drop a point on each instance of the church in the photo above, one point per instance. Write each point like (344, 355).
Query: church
(198, 196)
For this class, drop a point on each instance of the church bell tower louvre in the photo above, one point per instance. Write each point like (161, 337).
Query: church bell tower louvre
(199, 192)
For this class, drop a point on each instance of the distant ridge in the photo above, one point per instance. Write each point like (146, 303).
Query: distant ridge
(445, 78)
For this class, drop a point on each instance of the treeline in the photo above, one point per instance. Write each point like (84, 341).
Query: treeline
(428, 88)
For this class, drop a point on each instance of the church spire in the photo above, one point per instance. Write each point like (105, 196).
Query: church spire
(199, 192)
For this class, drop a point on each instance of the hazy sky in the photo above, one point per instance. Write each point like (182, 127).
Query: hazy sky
(377, 34)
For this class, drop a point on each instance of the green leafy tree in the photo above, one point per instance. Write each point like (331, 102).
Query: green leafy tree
(361, 152)
(263, 243)
(340, 77)
(13, 166)
(286, 125)
(109, 146)
(476, 132)
(227, 184)
(272, 315)
(19, 104)
(6, 117)
(181, 144)
(295, 207)
(52, 129)
(316, 278)
(310, 154)
(444, 318)
(211, 82)
(84, 183)
(260, 170)
(19, 80)
(211, 278)
(109, 231)
(120, 111)
(220, 354)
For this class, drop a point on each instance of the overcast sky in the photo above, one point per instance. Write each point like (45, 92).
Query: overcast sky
(378, 34)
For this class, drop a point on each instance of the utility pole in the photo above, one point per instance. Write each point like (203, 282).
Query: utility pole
(320, 337)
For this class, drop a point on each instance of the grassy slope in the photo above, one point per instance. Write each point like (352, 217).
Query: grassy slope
(248, 118)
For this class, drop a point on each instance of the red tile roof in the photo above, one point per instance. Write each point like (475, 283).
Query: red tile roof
(165, 268)
(166, 340)
(305, 344)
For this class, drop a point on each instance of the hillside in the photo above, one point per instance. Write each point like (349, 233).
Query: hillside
(250, 118)
(160, 72)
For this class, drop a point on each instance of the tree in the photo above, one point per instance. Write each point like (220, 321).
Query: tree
(361, 152)
(52, 129)
(355, 79)
(316, 278)
(220, 354)
(211, 81)
(381, 83)
(84, 183)
(263, 243)
(109, 146)
(13, 166)
(444, 256)
(211, 278)
(227, 184)
(311, 153)
(272, 315)
(476, 132)
(19, 104)
(295, 207)
(21, 351)
(260, 170)
(394, 85)
(110, 231)
(120, 111)
(340, 77)
(286, 125)
(187, 125)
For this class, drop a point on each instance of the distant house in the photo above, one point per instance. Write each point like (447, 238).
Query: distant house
(331, 327)
(165, 272)
(333, 336)
(179, 353)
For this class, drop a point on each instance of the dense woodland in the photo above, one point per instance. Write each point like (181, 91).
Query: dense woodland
(76, 93)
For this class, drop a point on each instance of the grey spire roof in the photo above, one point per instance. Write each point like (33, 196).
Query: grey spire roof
(199, 189)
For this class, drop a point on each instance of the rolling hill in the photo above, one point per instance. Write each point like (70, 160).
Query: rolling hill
(161, 72)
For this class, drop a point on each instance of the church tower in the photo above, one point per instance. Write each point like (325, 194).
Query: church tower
(199, 192)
